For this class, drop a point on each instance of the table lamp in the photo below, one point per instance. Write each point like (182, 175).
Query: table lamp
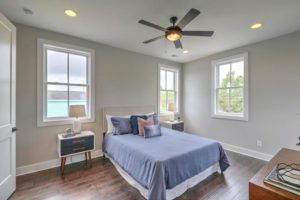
(172, 109)
(77, 111)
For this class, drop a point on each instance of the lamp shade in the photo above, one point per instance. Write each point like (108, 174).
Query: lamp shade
(77, 111)
(172, 107)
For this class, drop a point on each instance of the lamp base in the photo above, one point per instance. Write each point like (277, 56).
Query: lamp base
(76, 126)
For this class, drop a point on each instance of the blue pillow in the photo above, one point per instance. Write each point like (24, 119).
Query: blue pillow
(154, 118)
(134, 123)
(122, 125)
(152, 131)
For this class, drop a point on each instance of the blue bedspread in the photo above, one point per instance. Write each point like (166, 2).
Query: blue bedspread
(160, 163)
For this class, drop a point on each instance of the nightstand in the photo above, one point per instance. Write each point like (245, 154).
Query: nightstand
(175, 125)
(80, 143)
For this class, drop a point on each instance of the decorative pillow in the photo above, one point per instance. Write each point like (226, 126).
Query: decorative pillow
(110, 126)
(152, 131)
(154, 118)
(121, 125)
(134, 123)
(142, 123)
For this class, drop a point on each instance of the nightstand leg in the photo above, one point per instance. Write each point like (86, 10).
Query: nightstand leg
(63, 162)
(90, 158)
(86, 157)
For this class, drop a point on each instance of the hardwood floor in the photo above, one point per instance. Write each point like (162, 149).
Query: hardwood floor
(103, 182)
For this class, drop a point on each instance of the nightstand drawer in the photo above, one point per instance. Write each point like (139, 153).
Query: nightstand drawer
(82, 141)
(77, 149)
(178, 127)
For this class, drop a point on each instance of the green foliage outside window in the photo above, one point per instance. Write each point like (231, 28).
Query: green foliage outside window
(230, 94)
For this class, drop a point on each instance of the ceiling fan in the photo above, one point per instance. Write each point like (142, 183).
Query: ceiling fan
(175, 32)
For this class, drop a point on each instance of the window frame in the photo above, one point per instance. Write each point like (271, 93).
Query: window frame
(215, 87)
(42, 82)
(177, 87)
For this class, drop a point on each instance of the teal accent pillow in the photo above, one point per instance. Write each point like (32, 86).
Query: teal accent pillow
(152, 131)
(122, 125)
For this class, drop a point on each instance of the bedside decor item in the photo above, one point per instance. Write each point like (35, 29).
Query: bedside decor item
(68, 133)
(286, 177)
(77, 111)
(172, 109)
(80, 143)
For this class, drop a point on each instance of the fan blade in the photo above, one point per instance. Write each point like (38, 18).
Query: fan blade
(178, 44)
(152, 25)
(188, 17)
(198, 33)
(153, 39)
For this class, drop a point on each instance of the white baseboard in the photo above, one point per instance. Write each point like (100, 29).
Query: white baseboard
(247, 152)
(53, 163)
(77, 158)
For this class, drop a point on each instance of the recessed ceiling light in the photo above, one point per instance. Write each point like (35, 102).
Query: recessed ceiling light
(70, 13)
(256, 26)
(185, 51)
(27, 11)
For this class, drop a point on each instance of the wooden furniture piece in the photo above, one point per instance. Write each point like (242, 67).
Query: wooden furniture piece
(175, 125)
(259, 190)
(80, 143)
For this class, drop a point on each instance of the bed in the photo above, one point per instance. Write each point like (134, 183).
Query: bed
(164, 167)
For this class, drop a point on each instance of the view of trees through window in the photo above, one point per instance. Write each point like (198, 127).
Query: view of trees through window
(230, 96)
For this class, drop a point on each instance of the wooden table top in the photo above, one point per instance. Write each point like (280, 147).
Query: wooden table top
(287, 156)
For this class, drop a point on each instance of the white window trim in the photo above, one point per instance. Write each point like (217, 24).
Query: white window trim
(178, 86)
(41, 75)
(214, 113)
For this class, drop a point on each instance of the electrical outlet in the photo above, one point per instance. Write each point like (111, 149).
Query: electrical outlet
(259, 143)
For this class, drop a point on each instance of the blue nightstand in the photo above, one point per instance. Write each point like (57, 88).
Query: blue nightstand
(80, 143)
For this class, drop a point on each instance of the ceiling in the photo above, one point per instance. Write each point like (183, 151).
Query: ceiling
(115, 22)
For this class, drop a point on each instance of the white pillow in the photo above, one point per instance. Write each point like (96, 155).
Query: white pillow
(110, 126)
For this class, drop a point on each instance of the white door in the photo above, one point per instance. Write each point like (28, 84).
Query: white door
(7, 108)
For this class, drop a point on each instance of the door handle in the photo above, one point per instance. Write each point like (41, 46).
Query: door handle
(14, 129)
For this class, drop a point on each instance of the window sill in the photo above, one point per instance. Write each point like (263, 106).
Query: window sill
(60, 122)
(230, 117)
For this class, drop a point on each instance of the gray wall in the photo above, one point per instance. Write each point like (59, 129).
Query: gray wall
(122, 78)
(274, 97)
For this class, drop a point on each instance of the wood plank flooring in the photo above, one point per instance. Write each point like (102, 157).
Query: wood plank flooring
(103, 182)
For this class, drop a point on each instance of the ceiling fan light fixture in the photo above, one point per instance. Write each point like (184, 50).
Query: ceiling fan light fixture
(173, 35)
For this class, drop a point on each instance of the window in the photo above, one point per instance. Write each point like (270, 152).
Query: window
(230, 88)
(64, 79)
(168, 88)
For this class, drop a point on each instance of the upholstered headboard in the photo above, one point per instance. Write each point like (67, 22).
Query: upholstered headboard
(124, 110)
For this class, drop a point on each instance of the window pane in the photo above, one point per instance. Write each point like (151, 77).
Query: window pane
(162, 79)
(223, 101)
(171, 97)
(237, 74)
(78, 96)
(170, 80)
(57, 66)
(163, 101)
(77, 69)
(236, 100)
(224, 76)
(57, 101)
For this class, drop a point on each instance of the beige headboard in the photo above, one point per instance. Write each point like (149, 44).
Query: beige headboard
(124, 110)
